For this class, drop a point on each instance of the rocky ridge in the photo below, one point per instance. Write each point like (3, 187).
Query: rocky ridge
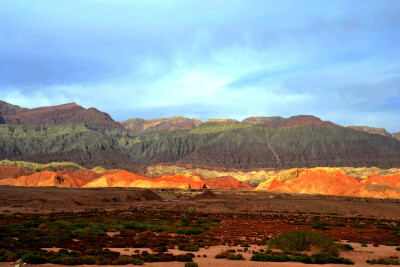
(55, 115)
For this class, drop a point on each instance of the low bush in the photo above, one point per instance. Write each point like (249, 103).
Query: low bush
(235, 257)
(188, 247)
(33, 257)
(191, 264)
(137, 261)
(345, 247)
(385, 261)
(183, 258)
(318, 258)
(303, 240)
(123, 260)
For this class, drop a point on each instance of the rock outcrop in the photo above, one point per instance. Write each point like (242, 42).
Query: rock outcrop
(371, 130)
(226, 182)
(396, 136)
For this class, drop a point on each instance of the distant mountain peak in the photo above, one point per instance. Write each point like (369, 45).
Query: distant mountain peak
(55, 115)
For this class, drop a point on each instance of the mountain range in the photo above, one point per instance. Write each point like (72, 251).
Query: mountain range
(90, 137)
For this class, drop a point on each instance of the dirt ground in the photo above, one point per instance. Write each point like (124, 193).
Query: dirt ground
(45, 200)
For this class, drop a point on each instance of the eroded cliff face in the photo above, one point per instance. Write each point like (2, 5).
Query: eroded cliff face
(56, 115)
(371, 130)
(172, 123)
(396, 136)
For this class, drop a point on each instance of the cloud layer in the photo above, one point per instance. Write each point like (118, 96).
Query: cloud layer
(338, 60)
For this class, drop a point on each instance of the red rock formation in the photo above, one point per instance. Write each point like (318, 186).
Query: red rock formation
(45, 178)
(120, 179)
(330, 181)
(128, 179)
(85, 176)
(56, 115)
(7, 171)
(226, 182)
(390, 180)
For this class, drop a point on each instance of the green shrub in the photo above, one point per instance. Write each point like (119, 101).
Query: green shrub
(385, 261)
(137, 261)
(183, 258)
(323, 258)
(188, 247)
(318, 258)
(321, 225)
(151, 258)
(123, 260)
(235, 257)
(267, 257)
(303, 240)
(191, 264)
(391, 243)
(345, 247)
(34, 257)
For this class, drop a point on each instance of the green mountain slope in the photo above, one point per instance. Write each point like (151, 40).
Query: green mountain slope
(224, 145)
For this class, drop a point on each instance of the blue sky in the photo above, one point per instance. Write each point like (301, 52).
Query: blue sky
(338, 60)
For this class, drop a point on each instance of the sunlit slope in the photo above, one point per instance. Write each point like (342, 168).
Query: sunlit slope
(333, 181)
(224, 145)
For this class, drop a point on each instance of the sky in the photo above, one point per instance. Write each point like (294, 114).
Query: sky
(338, 60)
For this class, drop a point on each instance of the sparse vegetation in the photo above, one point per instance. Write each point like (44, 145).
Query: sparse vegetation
(318, 258)
(384, 261)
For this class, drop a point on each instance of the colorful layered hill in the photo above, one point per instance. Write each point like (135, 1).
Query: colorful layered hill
(333, 181)
(187, 181)
(76, 176)
(363, 182)
(45, 178)
(55, 115)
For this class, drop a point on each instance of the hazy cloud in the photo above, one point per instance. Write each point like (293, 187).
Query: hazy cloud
(335, 59)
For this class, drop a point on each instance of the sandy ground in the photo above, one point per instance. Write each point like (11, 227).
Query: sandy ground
(359, 256)
(206, 257)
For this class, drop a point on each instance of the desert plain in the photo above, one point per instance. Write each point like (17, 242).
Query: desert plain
(158, 221)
